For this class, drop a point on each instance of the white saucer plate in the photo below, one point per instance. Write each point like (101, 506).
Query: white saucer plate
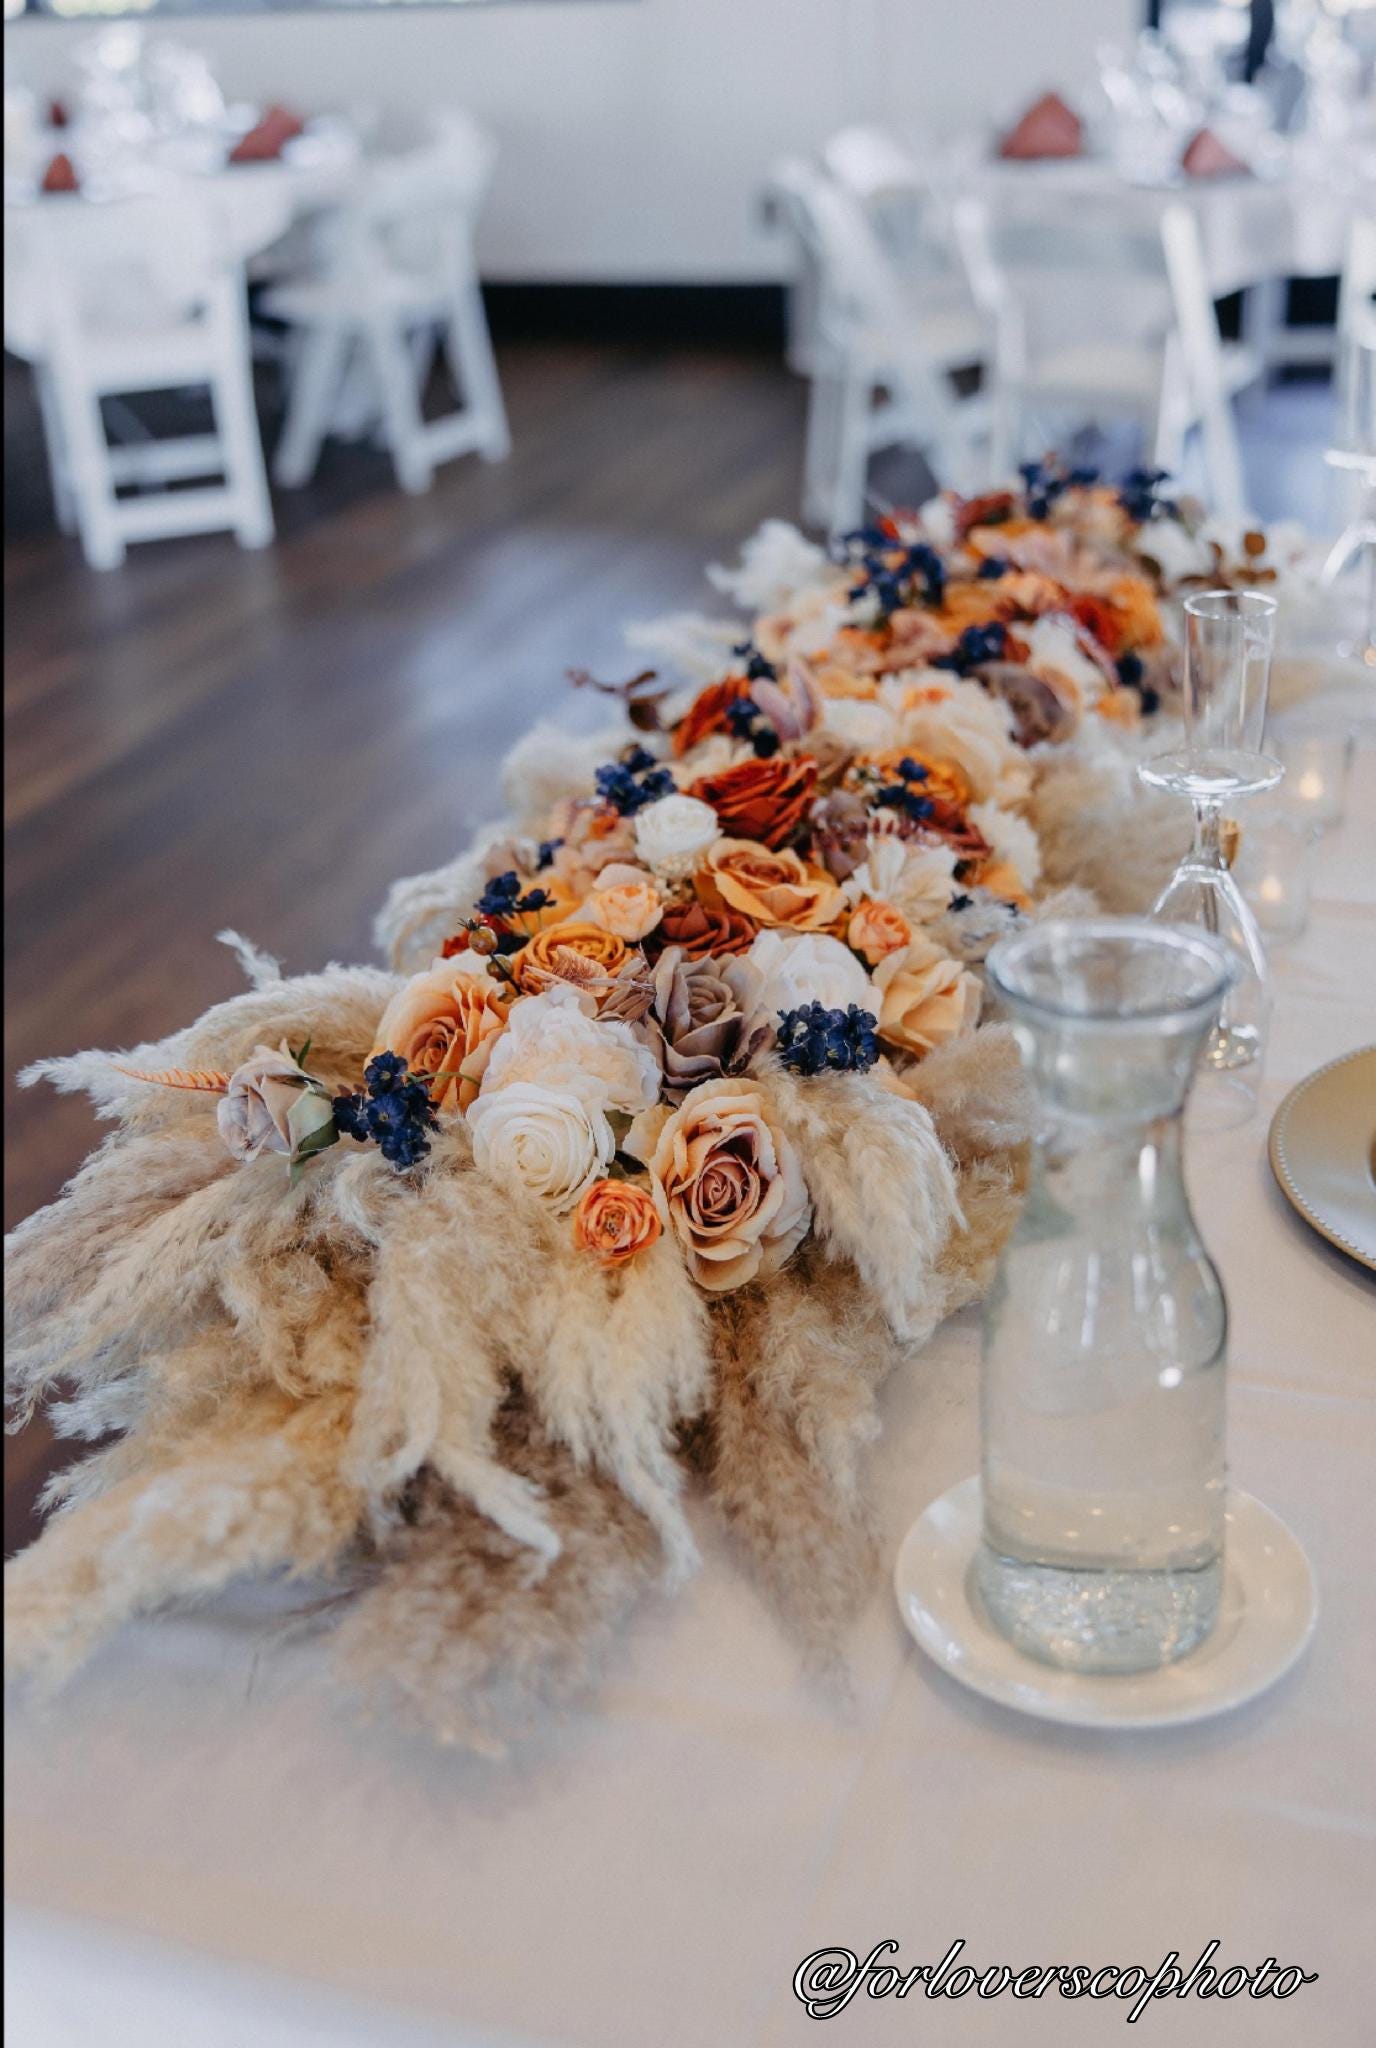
(1268, 1611)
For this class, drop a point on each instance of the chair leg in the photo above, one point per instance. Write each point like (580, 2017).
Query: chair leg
(820, 450)
(237, 419)
(401, 414)
(64, 502)
(468, 345)
(852, 455)
(88, 457)
(315, 379)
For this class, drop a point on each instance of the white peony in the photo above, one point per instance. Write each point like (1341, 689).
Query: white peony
(916, 877)
(671, 835)
(860, 724)
(555, 1041)
(1012, 839)
(954, 721)
(808, 967)
(545, 1140)
(1056, 656)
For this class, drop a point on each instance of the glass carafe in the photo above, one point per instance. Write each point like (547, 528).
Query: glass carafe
(1102, 1410)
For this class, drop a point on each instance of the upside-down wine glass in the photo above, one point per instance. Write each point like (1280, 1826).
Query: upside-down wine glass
(1230, 637)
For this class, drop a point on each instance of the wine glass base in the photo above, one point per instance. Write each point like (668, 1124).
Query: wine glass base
(1222, 1099)
(1211, 774)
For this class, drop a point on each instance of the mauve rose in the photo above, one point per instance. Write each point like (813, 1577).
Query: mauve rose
(706, 1019)
(729, 1184)
(271, 1106)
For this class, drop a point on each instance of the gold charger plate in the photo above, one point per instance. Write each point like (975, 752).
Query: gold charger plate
(1323, 1152)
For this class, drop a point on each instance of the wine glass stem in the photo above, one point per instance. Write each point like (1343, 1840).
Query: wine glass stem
(1207, 851)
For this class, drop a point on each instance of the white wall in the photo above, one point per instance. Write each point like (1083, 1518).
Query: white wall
(635, 133)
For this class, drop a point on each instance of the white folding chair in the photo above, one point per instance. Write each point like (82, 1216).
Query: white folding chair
(1101, 318)
(882, 372)
(398, 272)
(137, 296)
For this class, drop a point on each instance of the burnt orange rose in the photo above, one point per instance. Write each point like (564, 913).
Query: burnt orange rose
(877, 929)
(444, 1024)
(1134, 600)
(615, 1220)
(699, 932)
(708, 712)
(764, 800)
(768, 888)
(537, 964)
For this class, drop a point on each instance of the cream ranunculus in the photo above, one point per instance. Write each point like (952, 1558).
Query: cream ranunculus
(545, 1140)
(555, 1041)
(728, 1183)
(926, 997)
(673, 834)
(272, 1106)
(808, 967)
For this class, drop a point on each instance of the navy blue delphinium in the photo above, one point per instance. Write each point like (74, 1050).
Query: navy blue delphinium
(503, 897)
(630, 784)
(977, 644)
(897, 573)
(815, 1040)
(748, 722)
(757, 668)
(395, 1113)
(992, 568)
(906, 794)
(1139, 494)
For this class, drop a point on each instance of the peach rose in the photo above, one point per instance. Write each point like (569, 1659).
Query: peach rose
(728, 1183)
(444, 1024)
(765, 800)
(876, 930)
(927, 998)
(538, 963)
(769, 888)
(625, 901)
(615, 1220)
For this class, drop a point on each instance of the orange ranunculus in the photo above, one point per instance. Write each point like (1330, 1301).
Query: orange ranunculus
(1100, 618)
(876, 929)
(537, 963)
(764, 800)
(708, 712)
(769, 888)
(991, 508)
(701, 932)
(444, 1024)
(615, 1220)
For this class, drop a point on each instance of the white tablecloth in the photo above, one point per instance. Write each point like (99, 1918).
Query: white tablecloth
(204, 1850)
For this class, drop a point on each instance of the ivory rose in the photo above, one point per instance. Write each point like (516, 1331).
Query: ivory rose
(926, 997)
(672, 835)
(616, 1219)
(625, 901)
(271, 1106)
(808, 968)
(556, 1040)
(544, 1140)
(728, 1183)
(444, 1024)
(770, 888)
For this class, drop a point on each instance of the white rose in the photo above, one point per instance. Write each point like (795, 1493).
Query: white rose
(555, 1041)
(672, 834)
(547, 1140)
(808, 967)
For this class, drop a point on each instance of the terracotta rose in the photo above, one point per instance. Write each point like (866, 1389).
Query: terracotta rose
(764, 800)
(615, 1220)
(708, 712)
(698, 931)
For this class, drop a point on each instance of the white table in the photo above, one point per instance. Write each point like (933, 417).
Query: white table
(205, 1851)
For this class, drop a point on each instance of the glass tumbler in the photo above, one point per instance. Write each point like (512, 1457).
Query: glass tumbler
(1102, 1389)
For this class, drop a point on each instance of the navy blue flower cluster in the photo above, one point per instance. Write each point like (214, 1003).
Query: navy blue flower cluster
(757, 668)
(1044, 482)
(503, 897)
(548, 849)
(977, 644)
(395, 1114)
(906, 794)
(1132, 674)
(1139, 494)
(748, 722)
(895, 572)
(992, 568)
(815, 1040)
(633, 781)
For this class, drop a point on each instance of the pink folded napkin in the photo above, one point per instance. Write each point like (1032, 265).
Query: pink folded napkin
(60, 175)
(1049, 128)
(267, 139)
(1206, 157)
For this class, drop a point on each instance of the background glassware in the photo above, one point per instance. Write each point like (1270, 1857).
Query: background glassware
(1230, 639)
(1353, 454)
(1102, 1390)
(1274, 870)
(1317, 755)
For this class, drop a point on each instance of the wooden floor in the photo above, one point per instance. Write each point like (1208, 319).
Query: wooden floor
(208, 738)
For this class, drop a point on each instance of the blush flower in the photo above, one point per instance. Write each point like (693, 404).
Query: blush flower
(798, 969)
(553, 1039)
(672, 835)
(625, 901)
(877, 929)
(926, 998)
(272, 1106)
(728, 1183)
